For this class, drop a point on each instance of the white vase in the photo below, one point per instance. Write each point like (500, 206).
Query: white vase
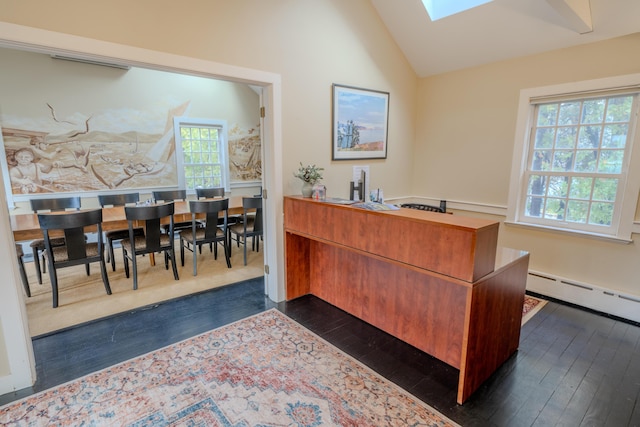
(307, 189)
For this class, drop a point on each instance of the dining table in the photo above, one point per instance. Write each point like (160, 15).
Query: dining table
(27, 227)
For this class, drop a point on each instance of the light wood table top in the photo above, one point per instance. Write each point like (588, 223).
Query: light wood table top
(27, 227)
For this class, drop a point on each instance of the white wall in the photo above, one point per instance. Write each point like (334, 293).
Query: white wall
(464, 144)
(32, 81)
(310, 44)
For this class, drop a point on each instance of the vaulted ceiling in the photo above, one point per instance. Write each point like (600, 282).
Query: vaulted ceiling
(502, 29)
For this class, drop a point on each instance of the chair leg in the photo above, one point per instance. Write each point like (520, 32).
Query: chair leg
(227, 253)
(195, 259)
(134, 264)
(126, 262)
(182, 243)
(105, 278)
(111, 258)
(23, 276)
(53, 277)
(245, 250)
(36, 262)
(173, 261)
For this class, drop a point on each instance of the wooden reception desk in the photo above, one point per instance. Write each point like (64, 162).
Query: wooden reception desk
(435, 281)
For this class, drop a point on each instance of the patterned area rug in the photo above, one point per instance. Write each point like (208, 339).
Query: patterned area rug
(531, 306)
(265, 370)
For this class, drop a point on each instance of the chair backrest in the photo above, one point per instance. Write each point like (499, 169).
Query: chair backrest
(212, 209)
(152, 215)
(54, 205)
(118, 199)
(251, 205)
(169, 195)
(73, 224)
(209, 193)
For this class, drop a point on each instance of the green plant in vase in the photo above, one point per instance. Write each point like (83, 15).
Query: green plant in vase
(309, 175)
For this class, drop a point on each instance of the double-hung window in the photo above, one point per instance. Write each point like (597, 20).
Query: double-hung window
(573, 160)
(203, 156)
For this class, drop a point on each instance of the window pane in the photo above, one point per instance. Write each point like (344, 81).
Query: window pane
(589, 137)
(614, 136)
(202, 156)
(601, 213)
(586, 160)
(569, 113)
(558, 186)
(610, 161)
(566, 137)
(537, 185)
(593, 111)
(534, 207)
(577, 211)
(580, 188)
(605, 189)
(554, 209)
(541, 160)
(577, 162)
(562, 160)
(544, 138)
(547, 114)
(619, 109)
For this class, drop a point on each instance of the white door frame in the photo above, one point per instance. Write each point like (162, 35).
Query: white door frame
(14, 325)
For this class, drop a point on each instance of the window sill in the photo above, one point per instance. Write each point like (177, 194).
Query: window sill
(575, 233)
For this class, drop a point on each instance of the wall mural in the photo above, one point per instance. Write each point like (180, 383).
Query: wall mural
(245, 154)
(109, 150)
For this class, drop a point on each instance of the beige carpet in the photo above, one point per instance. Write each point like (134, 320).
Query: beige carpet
(82, 298)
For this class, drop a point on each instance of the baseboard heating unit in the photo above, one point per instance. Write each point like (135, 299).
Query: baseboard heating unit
(585, 295)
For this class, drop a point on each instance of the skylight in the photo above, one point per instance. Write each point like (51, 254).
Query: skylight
(438, 9)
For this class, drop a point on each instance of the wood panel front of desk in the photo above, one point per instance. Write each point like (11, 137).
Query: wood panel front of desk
(429, 279)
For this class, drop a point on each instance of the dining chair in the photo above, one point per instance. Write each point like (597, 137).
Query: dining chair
(37, 245)
(165, 196)
(111, 236)
(212, 233)
(250, 225)
(77, 249)
(153, 240)
(23, 272)
(211, 193)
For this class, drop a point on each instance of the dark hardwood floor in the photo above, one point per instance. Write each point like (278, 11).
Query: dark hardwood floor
(573, 367)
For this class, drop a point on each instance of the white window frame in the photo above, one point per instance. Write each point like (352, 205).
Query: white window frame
(627, 198)
(223, 146)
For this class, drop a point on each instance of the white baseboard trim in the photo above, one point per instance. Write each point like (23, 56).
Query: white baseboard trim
(585, 295)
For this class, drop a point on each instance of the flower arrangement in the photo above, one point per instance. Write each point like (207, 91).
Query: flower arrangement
(309, 173)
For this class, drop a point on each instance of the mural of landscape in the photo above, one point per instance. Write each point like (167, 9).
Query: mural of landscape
(109, 150)
(245, 155)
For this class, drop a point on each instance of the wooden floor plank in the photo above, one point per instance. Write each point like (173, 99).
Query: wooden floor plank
(573, 367)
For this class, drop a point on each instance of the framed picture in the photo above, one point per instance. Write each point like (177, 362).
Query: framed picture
(360, 120)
